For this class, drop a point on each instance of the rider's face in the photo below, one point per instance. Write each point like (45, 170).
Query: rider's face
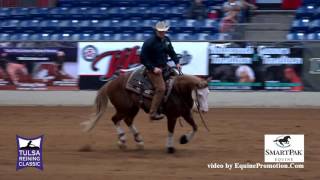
(161, 34)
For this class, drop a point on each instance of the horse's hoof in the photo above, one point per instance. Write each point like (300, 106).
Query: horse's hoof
(184, 139)
(171, 150)
(140, 145)
(122, 146)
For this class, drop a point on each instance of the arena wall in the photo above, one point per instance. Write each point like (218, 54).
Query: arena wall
(216, 99)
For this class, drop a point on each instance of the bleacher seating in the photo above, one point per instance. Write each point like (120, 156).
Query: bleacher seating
(105, 20)
(306, 25)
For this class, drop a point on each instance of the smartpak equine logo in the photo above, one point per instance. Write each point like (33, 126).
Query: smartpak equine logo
(29, 152)
(283, 148)
(283, 141)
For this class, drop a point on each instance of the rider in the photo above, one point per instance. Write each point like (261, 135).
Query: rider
(154, 56)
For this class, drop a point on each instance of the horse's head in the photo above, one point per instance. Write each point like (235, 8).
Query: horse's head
(196, 85)
(287, 137)
(201, 99)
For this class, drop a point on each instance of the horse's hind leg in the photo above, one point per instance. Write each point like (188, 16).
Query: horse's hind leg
(121, 134)
(129, 121)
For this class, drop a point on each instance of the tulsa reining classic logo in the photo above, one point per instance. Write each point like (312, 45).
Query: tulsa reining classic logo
(29, 152)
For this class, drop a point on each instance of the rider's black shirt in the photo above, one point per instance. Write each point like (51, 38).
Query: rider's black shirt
(155, 52)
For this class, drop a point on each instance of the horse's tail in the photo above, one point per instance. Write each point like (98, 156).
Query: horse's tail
(101, 103)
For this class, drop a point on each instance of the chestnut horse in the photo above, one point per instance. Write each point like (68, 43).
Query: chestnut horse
(127, 105)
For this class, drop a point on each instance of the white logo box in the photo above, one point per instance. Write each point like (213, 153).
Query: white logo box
(289, 151)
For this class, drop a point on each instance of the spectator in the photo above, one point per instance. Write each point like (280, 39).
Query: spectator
(231, 10)
(213, 14)
(198, 10)
(245, 13)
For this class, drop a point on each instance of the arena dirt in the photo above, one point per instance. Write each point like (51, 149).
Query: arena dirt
(236, 135)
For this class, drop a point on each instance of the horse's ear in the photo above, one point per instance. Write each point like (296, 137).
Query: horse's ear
(209, 79)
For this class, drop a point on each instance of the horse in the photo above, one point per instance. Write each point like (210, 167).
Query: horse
(179, 103)
(283, 140)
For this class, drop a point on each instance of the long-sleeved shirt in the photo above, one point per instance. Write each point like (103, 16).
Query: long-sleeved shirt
(155, 52)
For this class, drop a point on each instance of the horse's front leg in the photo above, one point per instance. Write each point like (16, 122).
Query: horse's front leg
(170, 139)
(184, 139)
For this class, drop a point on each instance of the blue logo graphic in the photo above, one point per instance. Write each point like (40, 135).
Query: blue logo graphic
(29, 152)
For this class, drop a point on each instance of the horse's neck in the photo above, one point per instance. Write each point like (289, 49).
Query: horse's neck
(187, 82)
(182, 97)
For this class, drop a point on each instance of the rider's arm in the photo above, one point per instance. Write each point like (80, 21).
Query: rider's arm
(145, 56)
(172, 53)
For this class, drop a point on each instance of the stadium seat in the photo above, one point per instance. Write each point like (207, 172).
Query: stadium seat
(296, 36)
(127, 37)
(202, 36)
(84, 26)
(300, 25)
(142, 36)
(40, 37)
(147, 26)
(81, 37)
(116, 37)
(178, 12)
(139, 13)
(183, 37)
(101, 37)
(4, 37)
(306, 12)
(39, 13)
(207, 26)
(317, 13)
(60, 37)
(19, 13)
(310, 2)
(59, 13)
(30, 26)
(131, 26)
(10, 26)
(188, 26)
(20, 37)
(314, 26)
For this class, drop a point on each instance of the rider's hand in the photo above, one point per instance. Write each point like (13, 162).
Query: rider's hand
(157, 70)
(178, 66)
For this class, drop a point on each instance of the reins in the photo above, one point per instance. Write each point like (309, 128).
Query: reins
(198, 107)
(200, 113)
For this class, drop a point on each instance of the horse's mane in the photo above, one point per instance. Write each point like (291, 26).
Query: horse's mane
(187, 83)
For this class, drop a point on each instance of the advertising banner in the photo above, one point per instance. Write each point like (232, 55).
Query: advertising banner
(282, 67)
(255, 66)
(38, 66)
(233, 66)
(99, 62)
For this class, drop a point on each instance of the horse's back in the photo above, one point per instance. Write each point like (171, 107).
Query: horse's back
(117, 92)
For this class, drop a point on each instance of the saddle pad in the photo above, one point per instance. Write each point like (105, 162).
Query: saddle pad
(137, 81)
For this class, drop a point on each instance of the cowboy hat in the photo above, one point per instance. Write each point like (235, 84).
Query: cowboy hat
(162, 26)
